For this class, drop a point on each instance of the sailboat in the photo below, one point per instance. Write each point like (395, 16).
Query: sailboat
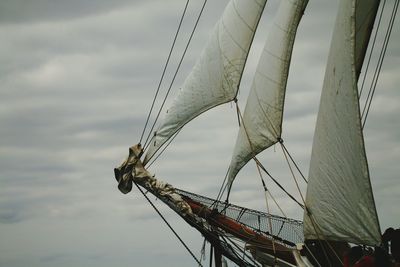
(339, 206)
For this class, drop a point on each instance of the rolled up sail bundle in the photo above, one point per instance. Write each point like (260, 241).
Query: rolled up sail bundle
(215, 77)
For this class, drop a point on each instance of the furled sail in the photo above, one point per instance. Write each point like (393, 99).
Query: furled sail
(262, 119)
(339, 196)
(215, 77)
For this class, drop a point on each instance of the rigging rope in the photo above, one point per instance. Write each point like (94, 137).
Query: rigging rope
(269, 212)
(314, 225)
(278, 184)
(379, 64)
(223, 238)
(259, 163)
(267, 191)
(222, 189)
(217, 233)
(170, 227)
(290, 156)
(165, 68)
(175, 74)
(372, 48)
(165, 147)
(242, 250)
(294, 177)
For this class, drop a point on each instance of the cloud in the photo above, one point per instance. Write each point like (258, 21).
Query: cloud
(77, 80)
(44, 10)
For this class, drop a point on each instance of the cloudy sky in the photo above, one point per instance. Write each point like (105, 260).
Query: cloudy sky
(76, 82)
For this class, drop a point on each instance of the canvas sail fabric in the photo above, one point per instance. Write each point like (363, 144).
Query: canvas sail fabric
(339, 194)
(262, 119)
(215, 77)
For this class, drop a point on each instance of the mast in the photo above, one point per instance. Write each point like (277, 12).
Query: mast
(339, 201)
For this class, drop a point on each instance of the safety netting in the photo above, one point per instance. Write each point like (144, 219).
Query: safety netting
(285, 230)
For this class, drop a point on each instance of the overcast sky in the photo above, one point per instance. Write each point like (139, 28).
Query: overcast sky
(76, 82)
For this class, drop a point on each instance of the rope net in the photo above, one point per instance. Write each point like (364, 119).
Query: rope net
(286, 231)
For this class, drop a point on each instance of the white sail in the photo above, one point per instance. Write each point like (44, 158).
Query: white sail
(339, 195)
(215, 78)
(262, 119)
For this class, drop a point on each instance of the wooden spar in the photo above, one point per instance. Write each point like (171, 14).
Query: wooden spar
(132, 170)
(253, 239)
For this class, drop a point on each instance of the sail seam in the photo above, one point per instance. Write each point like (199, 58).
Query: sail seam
(278, 26)
(275, 131)
(268, 78)
(228, 76)
(241, 18)
(231, 36)
(275, 56)
(251, 43)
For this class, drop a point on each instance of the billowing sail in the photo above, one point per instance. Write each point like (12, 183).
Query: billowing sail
(262, 119)
(339, 196)
(215, 77)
